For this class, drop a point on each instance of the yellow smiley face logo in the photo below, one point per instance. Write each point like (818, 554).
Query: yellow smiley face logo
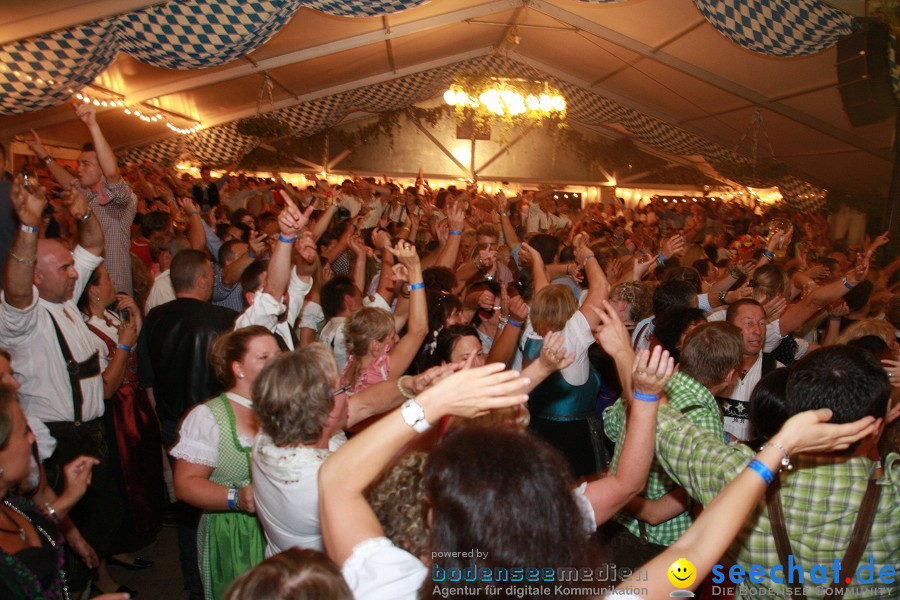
(682, 573)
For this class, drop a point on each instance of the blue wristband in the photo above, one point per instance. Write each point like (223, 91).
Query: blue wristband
(764, 471)
(124, 347)
(769, 255)
(455, 232)
(661, 257)
(232, 497)
(513, 323)
(416, 286)
(28, 228)
(287, 240)
(646, 397)
(847, 284)
(251, 254)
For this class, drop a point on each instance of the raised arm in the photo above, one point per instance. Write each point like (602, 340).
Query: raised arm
(598, 286)
(290, 222)
(346, 517)
(59, 174)
(509, 232)
(18, 278)
(87, 114)
(90, 235)
(799, 312)
(704, 543)
(456, 217)
(417, 325)
(648, 374)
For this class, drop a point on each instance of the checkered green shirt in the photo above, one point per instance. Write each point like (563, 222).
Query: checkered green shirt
(683, 392)
(821, 498)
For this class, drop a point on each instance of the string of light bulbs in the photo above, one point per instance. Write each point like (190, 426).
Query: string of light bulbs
(144, 113)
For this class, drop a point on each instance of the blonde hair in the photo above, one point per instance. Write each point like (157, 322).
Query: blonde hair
(295, 574)
(366, 325)
(292, 396)
(769, 281)
(398, 500)
(551, 308)
(876, 327)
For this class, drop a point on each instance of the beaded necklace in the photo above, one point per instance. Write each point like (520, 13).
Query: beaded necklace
(28, 582)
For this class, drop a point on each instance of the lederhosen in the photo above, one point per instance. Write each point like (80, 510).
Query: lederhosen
(98, 513)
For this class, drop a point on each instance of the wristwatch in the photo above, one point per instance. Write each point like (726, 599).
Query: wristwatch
(414, 415)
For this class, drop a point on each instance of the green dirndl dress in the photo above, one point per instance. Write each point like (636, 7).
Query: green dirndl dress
(228, 543)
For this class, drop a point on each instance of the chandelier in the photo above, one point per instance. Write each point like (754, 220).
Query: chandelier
(514, 102)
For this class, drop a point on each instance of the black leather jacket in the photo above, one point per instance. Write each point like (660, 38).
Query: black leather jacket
(173, 353)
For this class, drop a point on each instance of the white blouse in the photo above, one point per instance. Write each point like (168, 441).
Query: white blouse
(286, 492)
(198, 439)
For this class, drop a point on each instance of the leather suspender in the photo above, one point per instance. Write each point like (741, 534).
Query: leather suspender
(858, 539)
(76, 370)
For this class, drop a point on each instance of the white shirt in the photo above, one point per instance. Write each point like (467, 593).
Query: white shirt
(198, 437)
(37, 362)
(577, 338)
(537, 219)
(265, 310)
(736, 419)
(161, 292)
(285, 488)
(311, 317)
(332, 335)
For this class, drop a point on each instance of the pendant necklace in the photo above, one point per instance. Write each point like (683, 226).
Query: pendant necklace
(18, 530)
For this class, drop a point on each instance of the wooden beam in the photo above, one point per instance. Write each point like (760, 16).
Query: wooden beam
(503, 150)
(441, 147)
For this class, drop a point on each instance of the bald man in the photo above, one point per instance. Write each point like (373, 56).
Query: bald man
(54, 357)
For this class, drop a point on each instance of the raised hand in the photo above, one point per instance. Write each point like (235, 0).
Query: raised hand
(405, 252)
(475, 391)
(86, 113)
(554, 356)
(611, 334)
(672, 245)
(652, 370)
(29, 207)
(518, 309)
(257, 244)
(37, 146)
(774, 307)
(810, 431)
(188, 206)
(456, 215)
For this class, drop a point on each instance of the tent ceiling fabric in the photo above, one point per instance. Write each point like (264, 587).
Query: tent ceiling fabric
(675, 74)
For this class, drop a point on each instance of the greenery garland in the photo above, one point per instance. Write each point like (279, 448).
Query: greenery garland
(386, 125)
(262, 127)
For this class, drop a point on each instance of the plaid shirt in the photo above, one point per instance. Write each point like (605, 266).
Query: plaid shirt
(683, 391)
(115, 216)
(821, 498)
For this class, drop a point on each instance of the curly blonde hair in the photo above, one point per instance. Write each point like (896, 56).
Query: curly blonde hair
(398, 499)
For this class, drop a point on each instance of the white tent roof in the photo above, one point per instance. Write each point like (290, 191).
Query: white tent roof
(662, 58)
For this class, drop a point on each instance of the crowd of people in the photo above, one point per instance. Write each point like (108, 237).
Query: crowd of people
(365, 391)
